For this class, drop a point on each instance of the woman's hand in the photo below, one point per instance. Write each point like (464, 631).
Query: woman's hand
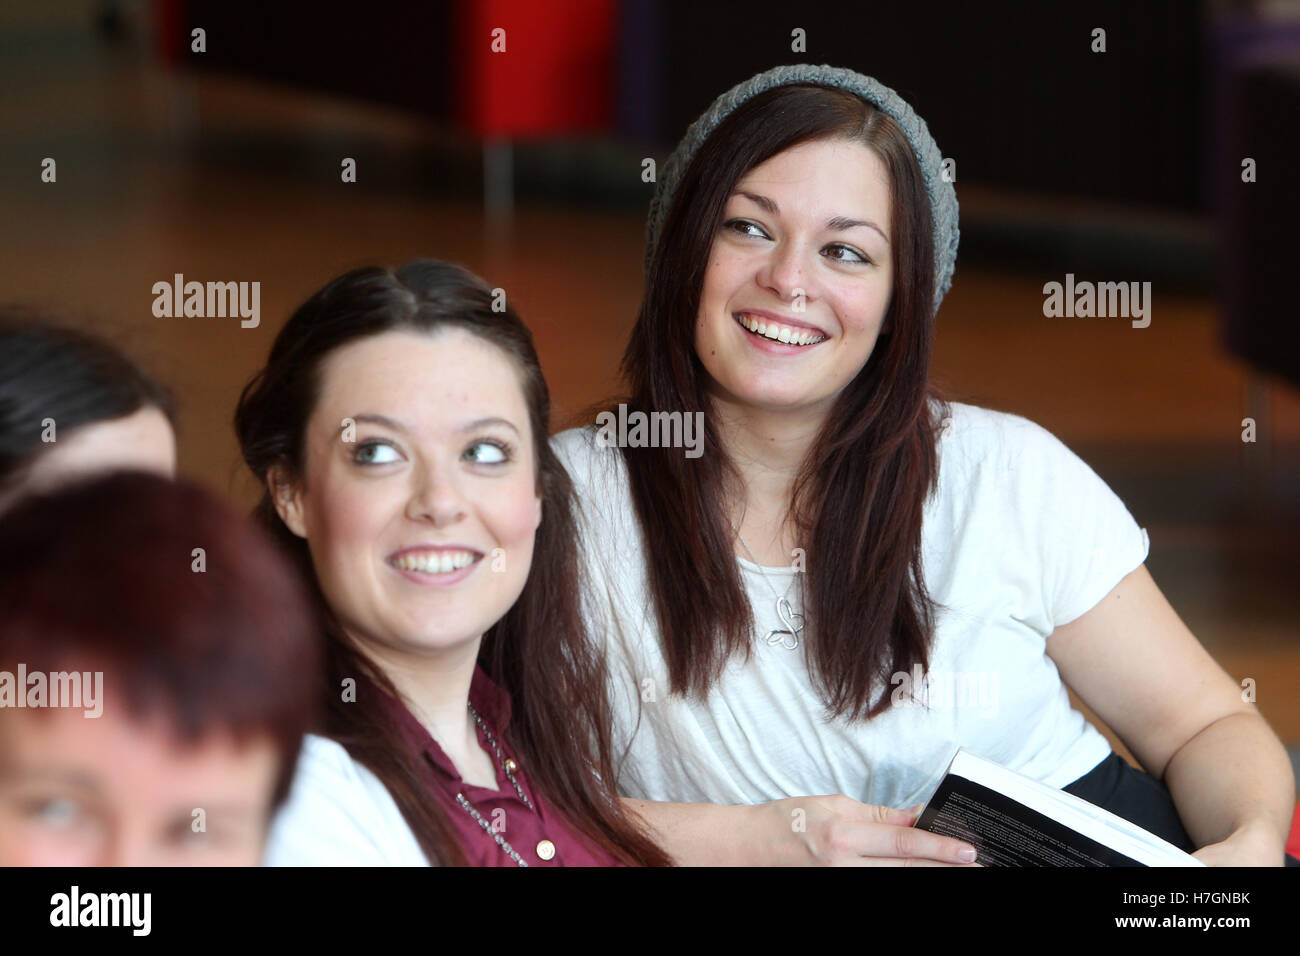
(839, 831)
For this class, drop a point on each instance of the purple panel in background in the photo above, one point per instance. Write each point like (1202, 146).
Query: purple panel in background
(639, 94)
(1256, 83)
(1237, 45)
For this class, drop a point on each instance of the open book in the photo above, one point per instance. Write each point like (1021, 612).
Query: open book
(1014, 821)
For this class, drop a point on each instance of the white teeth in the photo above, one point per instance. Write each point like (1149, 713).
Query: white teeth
(442, 562)
(779, 333)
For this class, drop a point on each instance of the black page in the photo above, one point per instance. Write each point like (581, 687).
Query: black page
(1007, 833)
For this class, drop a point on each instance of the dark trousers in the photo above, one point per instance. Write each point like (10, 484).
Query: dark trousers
(1118, 786)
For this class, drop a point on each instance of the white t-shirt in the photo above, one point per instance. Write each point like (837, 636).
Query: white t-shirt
(1020, 538)
(339, 814)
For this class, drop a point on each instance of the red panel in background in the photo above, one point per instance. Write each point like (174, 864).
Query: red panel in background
(168, 17)
(555, 76)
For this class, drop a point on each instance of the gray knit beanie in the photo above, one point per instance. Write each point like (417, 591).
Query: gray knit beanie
(943, 197)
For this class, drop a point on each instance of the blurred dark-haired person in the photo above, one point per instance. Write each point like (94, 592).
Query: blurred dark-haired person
(72, 404)
(158, 663)
(400, 427)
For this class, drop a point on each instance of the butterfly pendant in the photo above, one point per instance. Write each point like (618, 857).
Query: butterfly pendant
(788, 636)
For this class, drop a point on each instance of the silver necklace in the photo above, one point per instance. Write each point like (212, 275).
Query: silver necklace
(788, 636)
(508, 766)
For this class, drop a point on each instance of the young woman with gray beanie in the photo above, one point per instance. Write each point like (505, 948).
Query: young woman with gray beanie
(851, 577)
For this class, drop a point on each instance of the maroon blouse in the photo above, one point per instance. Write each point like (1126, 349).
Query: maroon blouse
(541, 836)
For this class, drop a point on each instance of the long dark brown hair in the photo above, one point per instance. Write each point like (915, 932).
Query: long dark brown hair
(539, 652)
(858, 499)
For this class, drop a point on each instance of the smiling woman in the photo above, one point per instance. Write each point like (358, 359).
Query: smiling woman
(846, 525)
(400, 429)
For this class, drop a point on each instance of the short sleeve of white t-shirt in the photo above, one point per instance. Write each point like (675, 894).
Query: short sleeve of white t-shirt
(339, 814)
(1021, 537)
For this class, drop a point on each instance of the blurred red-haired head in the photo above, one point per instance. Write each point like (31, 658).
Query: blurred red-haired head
(201, 628)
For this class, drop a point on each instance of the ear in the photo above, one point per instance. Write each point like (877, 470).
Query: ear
(287, 497)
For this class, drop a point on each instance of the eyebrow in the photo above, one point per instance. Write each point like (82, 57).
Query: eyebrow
(72, 778)
(837, 223)
(373, 419)
(385, 421)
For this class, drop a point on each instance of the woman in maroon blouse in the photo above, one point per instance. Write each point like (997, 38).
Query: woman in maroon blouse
(400, 430)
